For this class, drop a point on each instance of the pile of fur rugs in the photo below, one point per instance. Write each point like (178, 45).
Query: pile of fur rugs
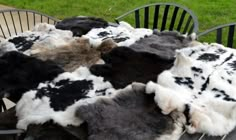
(84, 79)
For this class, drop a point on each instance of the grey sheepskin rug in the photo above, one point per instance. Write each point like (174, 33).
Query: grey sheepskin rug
(164, 44)
(81, 25)
(201, 85)
(130, 114)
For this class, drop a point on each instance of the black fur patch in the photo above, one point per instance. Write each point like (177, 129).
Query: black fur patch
(184, 81)
(208, 57)
(103, 34)
(20, 73)
(195, 69)
(225, 96)
(186, 113)
(65, 93)
(233, 65)
(23, 43)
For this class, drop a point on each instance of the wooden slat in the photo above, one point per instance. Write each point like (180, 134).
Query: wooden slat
(4, 17)
(34, 18)
(20, 21)
(27, 17)
(13, 22)
(2, 32)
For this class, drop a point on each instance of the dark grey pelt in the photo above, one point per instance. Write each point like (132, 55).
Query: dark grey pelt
(8, 119)
(124, 66)
(81, 25)
(162, 44)
(52, 131)
(130, 115)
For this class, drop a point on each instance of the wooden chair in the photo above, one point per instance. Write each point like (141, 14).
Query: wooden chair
(162, 16)
(224, 34)
(14, 21)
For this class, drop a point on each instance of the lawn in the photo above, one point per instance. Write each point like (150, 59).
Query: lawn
(210, 13)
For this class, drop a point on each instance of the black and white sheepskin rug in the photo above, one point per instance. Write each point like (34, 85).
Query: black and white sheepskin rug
(20, 73)
(58, 99)
(201, 85)
(123, 34)
(41, 36)
(124, 66)
(81, 25)
(129, 114)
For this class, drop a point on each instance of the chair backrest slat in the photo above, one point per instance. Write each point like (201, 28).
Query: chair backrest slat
(181, 20)
(13, 22)
(2, 106)
(164, 19)
(187, 25)
(156, 14)
(41, 19)
(231, 36)
(172, 23)
(21, 27)
(4, 36)
(146, 17)
(27, 17)
(34, 18)
(219, 35)
(137, 19)
(6, 23)
(162, 16)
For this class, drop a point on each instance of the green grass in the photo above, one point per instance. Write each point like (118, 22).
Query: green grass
(210, 13)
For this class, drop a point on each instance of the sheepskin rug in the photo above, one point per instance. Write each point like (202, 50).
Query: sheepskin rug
(42, 36)
(124, 34)
(81, 25)
(164, 43)
(201, 85)
(20, 73)
(124, 66)
(128, 114)
(77, 53)
(57, 100)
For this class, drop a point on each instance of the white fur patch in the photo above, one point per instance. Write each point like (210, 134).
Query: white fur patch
(204, 78)
(6, 46)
